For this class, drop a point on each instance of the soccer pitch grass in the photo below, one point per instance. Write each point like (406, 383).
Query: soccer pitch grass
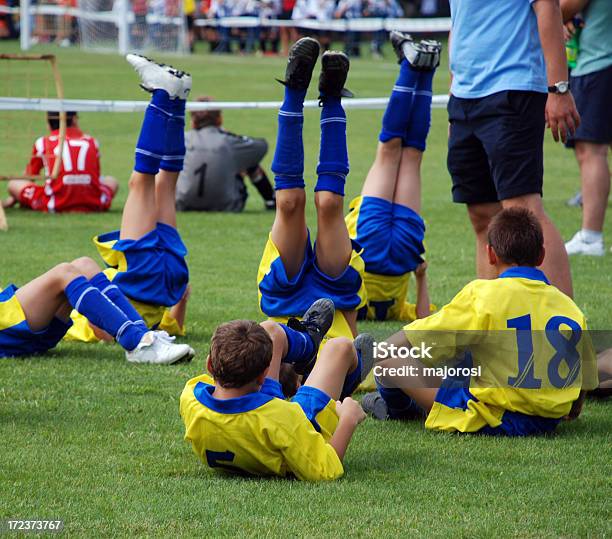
(97, 442)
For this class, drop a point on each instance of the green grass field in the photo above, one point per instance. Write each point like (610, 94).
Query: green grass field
(97, 442)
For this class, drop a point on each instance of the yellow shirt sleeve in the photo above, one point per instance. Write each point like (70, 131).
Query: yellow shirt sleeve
(449, 330)
(308, 455)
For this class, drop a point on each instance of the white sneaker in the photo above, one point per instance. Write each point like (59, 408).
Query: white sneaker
(155, 349)
(165, 336)
(578, 246)
(156, 76)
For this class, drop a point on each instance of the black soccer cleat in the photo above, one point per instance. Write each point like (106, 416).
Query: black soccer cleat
(423, 56)
(316, 322)
(334, 71)
(302, 58)
(374, 405)
(397, 40)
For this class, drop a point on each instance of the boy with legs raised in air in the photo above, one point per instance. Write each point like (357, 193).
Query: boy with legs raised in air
(146, 256)
(240, 422)
(34, 318)
(292, 274)
(385, 218)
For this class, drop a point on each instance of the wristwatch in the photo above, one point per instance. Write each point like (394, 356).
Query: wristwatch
(561, 87)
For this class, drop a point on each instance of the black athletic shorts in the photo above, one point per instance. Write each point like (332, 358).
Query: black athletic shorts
(592, 93)
(495, 147)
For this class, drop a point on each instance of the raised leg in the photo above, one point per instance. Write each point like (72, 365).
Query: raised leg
(165, 197)
(408, 186)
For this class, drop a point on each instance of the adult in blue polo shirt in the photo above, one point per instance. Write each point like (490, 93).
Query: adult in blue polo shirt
(509, 78)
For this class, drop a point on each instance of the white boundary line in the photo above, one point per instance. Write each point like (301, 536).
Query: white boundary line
(93, 105)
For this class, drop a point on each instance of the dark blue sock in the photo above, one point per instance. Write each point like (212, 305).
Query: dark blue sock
(397, 114)
(300, 346)
(420, 117)
(352, 380)
(112, 292)
(288, 162)
(333, 154)
(160, 139)
(174, 149)
(399, 405)
(103, 313)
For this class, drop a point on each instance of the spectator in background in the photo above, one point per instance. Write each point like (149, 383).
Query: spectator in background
(215, 162)
(287, 34)
(381, 9)
(319, 10)
(350, 9)
(189, 10)
(248, 35)
(269, 9)
(138, 29)
(220, 9)
(591, 83)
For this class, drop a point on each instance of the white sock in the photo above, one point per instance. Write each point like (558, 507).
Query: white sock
(591, 236)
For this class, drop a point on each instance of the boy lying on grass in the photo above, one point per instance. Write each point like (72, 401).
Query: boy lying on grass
(241, 422)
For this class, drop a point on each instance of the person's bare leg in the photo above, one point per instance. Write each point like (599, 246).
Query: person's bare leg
(14, 188)
(337, 358)
(165, 197)
(422, 390)
(333, 247)
(595, 174)
(110, 182)
(280, 347)
(44, 296)
(556, 262)
(140, 211)
(480, 216)
(382, 176)
(604, 369)
(289, 232)
(351, 320)
(408, 185)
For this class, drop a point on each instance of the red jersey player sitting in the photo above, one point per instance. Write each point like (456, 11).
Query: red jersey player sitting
(78, 186)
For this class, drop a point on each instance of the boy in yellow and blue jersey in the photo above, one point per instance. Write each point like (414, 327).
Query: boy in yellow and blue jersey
(529, 339)
(239, 421)
(35, 317)
(292, 274)
(385, 218)
(146, 257)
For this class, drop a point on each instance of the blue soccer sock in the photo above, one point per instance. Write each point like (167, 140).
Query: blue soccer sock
(112, 292)
(300, 346)
(420, 117)
(333, 154)
(161, 135)
(400, 405)
(397, 114)
(352, 380)
(288, 162)
(103, 313)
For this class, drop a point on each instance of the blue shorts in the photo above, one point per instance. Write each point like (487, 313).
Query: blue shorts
(390, 234)
(281, 296)
(495, 147)
(151, 269)
(592, 94)
(16, 337)
(401, 406)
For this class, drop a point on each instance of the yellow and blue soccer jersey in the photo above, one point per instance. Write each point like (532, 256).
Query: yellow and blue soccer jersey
(391, 236)
(531, 342)
(261, 433)
(16, 337)
(280, 296)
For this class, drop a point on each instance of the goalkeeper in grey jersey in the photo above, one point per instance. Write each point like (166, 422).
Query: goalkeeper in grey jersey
(216, 162)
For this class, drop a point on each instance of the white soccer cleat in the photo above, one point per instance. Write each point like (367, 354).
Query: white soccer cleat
(578, 246)
(156, 76)
(165, 336)
(157, 350)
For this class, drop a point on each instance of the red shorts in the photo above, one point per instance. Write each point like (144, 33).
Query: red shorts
(34, 197)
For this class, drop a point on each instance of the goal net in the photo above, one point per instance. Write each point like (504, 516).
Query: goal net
(36, 78)
(107, 25)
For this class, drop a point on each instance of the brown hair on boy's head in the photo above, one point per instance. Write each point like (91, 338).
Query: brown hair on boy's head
(515, 234)
(240, 351)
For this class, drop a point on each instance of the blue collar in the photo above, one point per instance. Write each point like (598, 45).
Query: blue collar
(525, 272)
(203, 393)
